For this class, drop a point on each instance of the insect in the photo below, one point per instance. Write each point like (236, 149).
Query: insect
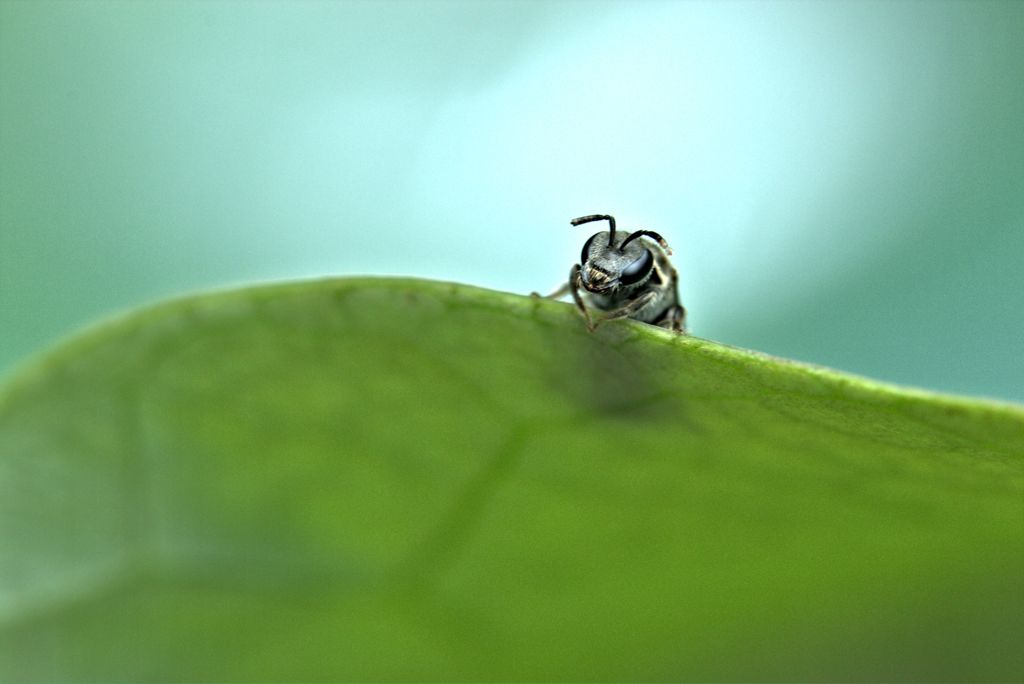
(625, 276)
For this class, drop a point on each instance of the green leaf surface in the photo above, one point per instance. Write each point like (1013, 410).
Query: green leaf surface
(369, 479)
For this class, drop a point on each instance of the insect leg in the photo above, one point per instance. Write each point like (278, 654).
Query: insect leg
(574, 289)
(557, 294)
(675, 319)
(676, 315)
(629, 308)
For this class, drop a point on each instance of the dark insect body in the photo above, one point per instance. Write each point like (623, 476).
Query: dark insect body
(625, 276)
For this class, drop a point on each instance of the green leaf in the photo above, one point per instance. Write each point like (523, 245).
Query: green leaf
(398, 479)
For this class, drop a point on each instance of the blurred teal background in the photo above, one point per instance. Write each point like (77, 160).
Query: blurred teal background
(843, 183)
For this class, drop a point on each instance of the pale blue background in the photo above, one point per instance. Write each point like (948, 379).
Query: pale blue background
(843, 182)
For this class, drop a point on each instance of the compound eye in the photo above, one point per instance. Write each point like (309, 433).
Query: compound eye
(638, 270)
(585, 254)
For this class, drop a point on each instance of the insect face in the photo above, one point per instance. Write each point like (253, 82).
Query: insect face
(612, 262)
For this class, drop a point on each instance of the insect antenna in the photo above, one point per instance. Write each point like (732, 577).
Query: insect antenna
(598, 217)
(649, 233)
